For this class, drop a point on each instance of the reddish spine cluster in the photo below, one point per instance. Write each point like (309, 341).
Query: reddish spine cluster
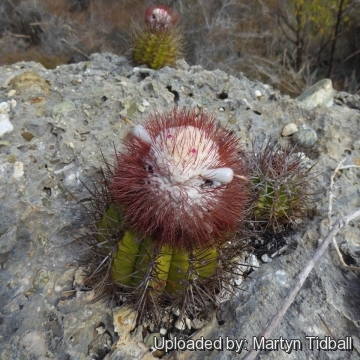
(161, 180)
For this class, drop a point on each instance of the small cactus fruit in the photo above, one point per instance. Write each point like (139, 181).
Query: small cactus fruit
(280, 182)
(158, 42)
(179, 179)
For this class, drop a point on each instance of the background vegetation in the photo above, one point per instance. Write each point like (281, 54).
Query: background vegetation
(290, 44)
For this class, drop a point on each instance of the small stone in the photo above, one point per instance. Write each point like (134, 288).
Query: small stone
(141, 108)
(151, 339)
(289, 129)
(305, 137)
(41, 279)
(11, 159)
(258, 93)
(11, 93)
(319, 94)
(197, 324)
(5, 125)
(176, 312)
(124, 319)
(18, 170)
(266, 259)
(5, 143)
(28, 136)
(145, 103)
(8, 240)
(62, 108)
(180, 324)
(28, 80)
(221, 109)
(253, 262)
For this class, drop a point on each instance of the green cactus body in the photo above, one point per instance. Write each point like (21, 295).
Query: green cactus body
(137, 263)
(274, 200)
(108, 226)
(156, 50)
(206, 262)
(123, 266)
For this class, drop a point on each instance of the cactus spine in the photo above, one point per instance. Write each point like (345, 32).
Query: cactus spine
(280, 187)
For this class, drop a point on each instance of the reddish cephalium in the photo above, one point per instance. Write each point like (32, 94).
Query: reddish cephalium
(176, 179)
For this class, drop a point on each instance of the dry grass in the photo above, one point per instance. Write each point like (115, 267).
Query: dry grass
(234, 36)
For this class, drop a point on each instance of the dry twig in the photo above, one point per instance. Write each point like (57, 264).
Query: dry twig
(339, 167)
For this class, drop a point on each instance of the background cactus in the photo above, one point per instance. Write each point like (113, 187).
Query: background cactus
(158, 42)
(280, 182)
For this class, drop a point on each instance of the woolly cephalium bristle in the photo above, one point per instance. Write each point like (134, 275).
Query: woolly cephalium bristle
(177, 180)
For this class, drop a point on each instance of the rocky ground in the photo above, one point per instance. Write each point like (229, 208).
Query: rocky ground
(62, 118)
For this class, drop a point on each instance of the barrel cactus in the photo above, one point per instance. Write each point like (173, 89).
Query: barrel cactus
(158, 41)
(165, 214)
(280, 186)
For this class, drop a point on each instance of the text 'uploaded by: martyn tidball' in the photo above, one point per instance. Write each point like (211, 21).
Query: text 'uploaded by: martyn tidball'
(238, 345)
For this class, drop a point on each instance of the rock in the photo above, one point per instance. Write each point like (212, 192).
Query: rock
(265, 258)
(319, 94)
(62, 108)
(289, 129)
(5, 125)
(305, 137)
(34, 345)
(39, 247)
(124, 322)
(18, 169)
(27, 80)
(253, 262)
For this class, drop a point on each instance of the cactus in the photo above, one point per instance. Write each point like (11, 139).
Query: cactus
(158, 42)
(280, 186)
(163, 215)
(139, 263)
(179, 180)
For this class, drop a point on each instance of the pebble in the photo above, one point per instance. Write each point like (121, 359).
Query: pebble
(180, 324)
(253, 262)
(5, 125)
(305, 137)
(41, 279)
(18, 170)
(176, 312)
(11, 93)
(266, 259)
(145, 103)
(151, 339)
(141, 108)
(221, 109)
(124, 319)
(62, 108)
(197, 324)
(5, 143)
(258, 93)
(289, 129)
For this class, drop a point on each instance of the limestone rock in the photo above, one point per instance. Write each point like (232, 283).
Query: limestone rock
(319, 94)
(40, 219)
